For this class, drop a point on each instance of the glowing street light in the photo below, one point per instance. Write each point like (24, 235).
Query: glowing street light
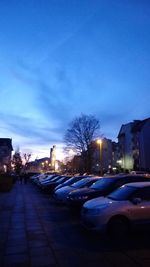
(99, 141)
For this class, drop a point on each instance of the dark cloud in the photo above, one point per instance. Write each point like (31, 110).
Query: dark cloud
(27, 128)
(51, 103)
(54, 103)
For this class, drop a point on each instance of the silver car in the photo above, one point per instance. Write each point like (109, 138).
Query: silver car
(125, 207)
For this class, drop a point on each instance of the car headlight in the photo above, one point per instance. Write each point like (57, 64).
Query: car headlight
(78, 197)
(83, 197)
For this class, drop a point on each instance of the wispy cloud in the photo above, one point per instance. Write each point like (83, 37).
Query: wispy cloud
(28, 129)
(52, 101)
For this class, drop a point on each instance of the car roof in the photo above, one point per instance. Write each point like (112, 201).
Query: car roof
(120, 176)
(138, 184)
(89, 179)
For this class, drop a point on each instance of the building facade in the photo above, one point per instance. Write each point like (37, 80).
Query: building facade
(134, 145)
(53, 157)
(39, 165)
(5, 154)
(125, 146)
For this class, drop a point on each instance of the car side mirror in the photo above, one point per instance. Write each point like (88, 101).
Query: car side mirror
(136, 200)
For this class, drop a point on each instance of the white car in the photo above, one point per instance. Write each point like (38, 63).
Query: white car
(125, 207)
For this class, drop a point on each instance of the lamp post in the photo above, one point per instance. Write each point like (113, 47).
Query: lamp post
(99, 141)
(46, 165)
(42, 166)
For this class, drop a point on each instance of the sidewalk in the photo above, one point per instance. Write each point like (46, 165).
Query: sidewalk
(23, 240)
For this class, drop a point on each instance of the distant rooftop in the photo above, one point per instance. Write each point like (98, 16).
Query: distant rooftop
(136, 126)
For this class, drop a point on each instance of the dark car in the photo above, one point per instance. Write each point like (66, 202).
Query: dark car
(71, 181)
(103, 187)
(49, 179)
(61, 194)
(52, 184)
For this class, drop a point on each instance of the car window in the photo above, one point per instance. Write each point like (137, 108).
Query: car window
(122, 193)
(120, 182)
(143, 193)
(89, 183)
(69, 181)
(80, 183)
(103, 183)
(137, 179)
(60, 179)
(55, 178)
(130, 179)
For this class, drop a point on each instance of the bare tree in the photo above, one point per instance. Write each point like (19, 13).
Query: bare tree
(80, 134)
(26, 157)
(17, 161)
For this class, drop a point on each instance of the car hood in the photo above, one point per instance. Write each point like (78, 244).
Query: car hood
(97, 202)
(63, 192)
(64, 189)
(81, 191)
(59, 186)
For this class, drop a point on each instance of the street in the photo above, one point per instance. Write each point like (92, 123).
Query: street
(35, 231)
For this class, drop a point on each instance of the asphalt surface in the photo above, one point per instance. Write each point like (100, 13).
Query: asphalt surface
(34, 231)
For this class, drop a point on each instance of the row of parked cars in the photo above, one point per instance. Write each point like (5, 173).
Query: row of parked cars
(112, 204)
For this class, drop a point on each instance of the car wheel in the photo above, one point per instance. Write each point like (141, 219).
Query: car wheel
(118, 227)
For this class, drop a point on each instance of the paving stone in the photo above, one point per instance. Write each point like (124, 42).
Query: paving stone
(17, 232)
(38, 243)
(18, 227)
(119, 259)
(42, 251)
(20, 249)
(16, 259)
(45, 260)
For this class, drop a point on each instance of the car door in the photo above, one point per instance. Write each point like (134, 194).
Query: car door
(140, 212)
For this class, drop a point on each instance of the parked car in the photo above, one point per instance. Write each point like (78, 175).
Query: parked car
(75, 197)
(61, 194)
(49, 187)
(49, 179)
(140, 172)
(36, 179)
(104, 186)
(124, 208)
(71, 181)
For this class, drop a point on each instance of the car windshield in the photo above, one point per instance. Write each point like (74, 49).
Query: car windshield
(55, 178)
(122, 193)
(70, 181)
(103, 183)
(80, 183)
(61, 179)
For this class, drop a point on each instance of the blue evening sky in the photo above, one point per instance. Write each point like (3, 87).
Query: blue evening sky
(61, 58)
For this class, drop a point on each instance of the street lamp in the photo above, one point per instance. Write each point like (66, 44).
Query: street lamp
(99, 141)
(42, 166)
